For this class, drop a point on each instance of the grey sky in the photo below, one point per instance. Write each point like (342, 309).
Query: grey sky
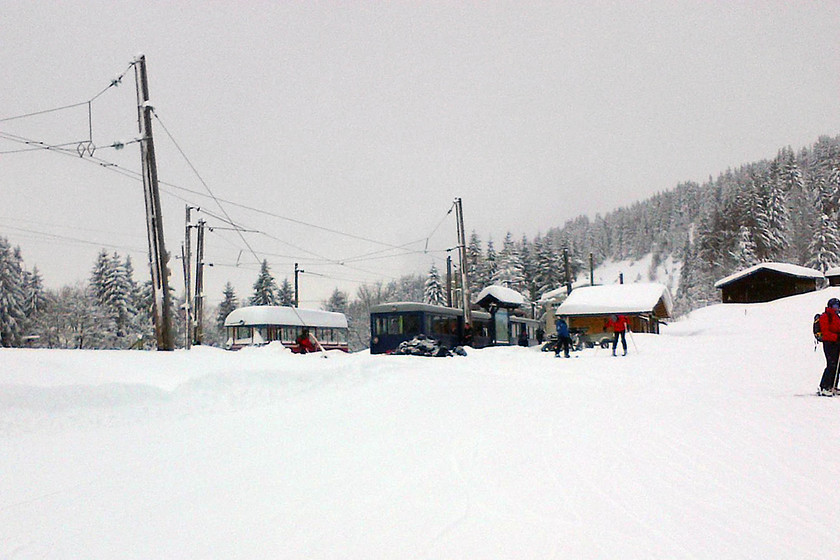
(371, 118)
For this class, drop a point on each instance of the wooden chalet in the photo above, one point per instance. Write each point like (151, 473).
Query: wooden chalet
(645, 305)
(767, 282)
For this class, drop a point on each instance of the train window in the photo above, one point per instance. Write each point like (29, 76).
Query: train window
(410, 324)
(441, 324)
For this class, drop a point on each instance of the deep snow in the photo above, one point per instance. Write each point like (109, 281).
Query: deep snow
(704, 442)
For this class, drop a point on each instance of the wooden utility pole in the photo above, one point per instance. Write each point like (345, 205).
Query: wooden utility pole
(187, 315)
(568, 271)
(591, 269)
(448, 280)
(187, 256)
(297, 273)
(462, 250)
(199, 283)
(158, 258)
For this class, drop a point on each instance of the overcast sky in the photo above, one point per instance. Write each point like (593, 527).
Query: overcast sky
(368, 119)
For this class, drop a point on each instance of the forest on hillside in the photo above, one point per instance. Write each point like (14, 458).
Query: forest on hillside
(781, 209)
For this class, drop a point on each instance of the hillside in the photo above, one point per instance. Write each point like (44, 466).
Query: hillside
(704, 442)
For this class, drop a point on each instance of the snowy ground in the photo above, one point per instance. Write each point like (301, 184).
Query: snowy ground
(704, 442)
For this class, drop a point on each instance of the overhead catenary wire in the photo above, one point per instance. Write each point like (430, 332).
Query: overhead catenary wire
(138, 176)
(84, 150)
(201, 179)
(115, 82)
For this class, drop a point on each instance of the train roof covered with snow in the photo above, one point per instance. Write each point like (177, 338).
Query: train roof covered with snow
(281, 315)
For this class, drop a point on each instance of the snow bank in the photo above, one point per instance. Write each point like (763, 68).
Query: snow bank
(704, 442)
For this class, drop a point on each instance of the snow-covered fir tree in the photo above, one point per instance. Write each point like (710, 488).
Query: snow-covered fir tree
(12, 295)
(229, 304)
(337, 302)
(825, 244)
(491, 265)
(433, 292)
(509, 270)
(745, 253)
(265, 288)
(286, 294)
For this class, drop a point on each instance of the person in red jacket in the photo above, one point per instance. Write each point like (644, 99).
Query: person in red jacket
(304, 342)
(830, 329)
(618, 325)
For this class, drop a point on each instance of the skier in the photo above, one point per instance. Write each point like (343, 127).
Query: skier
(830, 328)
(618, 324)
(304, 342)
(564, 338)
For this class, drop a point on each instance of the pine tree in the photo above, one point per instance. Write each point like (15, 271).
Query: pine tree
(491, 265)
(509, 271)
(476, 265)
(825, 244)
(265, 288)
(228, 305)
(746, 251)
(286, 295)
(433, 292)
(12, 296)
(338, 302)
(35, 298)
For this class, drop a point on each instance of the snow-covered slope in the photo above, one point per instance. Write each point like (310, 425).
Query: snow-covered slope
(704, 442)
(666, 272)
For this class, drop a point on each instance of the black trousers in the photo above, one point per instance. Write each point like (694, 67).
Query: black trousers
(564, 343)
(623, 341)
(832, 352)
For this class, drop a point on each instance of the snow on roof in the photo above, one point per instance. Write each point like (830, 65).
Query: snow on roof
(616, 298)
(784, 268)
(502, 295)
(835, 271)
(280, 315)
(553, 294)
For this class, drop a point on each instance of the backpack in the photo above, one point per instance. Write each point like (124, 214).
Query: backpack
(817, 331)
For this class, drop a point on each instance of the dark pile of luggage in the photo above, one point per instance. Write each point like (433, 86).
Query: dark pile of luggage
(421, 345)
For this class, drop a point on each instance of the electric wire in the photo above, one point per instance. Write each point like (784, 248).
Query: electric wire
(115, 82)
(201, 179)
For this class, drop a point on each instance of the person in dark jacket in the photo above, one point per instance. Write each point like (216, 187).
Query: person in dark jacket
(564, 337)
(618, 324)
(830, 328)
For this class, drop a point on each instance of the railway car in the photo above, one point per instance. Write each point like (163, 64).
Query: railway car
(394, 323)
(260, 324)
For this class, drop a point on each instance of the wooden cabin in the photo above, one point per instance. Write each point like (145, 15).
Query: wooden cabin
(767, 282)
(587, 309)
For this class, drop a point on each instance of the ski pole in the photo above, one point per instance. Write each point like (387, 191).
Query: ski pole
(836, 370)
(636, 348)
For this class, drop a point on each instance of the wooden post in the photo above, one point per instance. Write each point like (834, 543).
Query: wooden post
(158, 258)
(567, 270)
(199, 284)
(187, 257)
(462, 246)
(296, 302)
(448, 280)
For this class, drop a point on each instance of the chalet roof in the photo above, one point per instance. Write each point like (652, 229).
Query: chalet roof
(782, 268)
(504, 297)
(617, 298)
(835, 271)
(281, 315)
